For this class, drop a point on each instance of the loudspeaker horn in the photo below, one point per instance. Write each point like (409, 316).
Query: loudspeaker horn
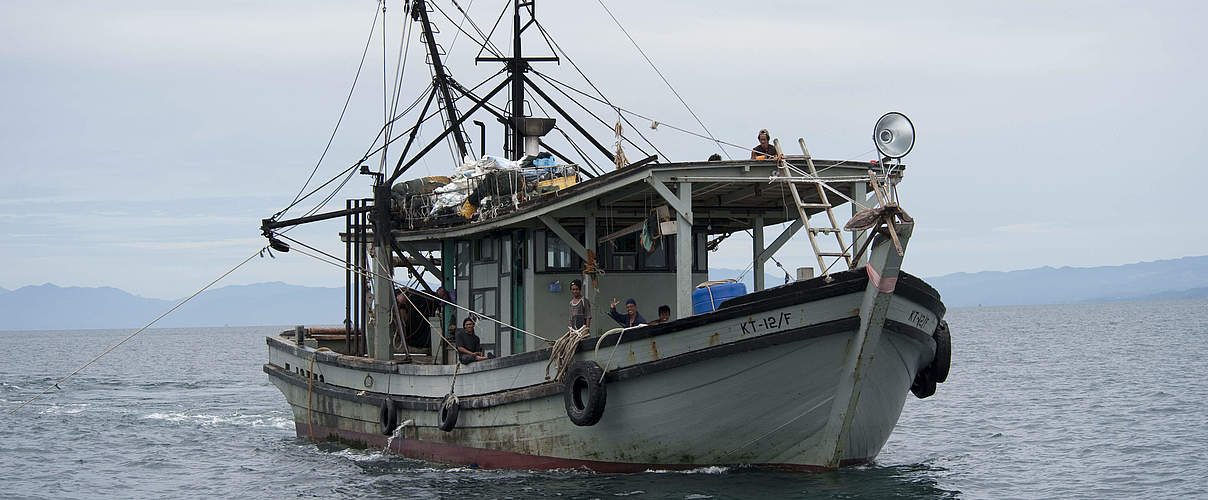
(893, 135)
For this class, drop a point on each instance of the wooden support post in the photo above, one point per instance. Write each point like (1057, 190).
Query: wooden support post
(884, 267)
(781, 240)
(383, 270)
(757, 258)
(530, 291)
(413, 253)
(859, 192)
(564, 235)
(589, 241)
(681, 205)
(683, 253)
(435, 345)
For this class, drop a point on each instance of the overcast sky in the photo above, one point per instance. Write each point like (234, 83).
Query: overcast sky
(142, 142)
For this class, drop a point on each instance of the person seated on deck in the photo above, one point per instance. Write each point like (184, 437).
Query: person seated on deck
(468, 345)
(764, 150)
(631, 316)
(664, 315)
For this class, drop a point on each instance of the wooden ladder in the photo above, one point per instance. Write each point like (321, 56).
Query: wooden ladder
(844, 252)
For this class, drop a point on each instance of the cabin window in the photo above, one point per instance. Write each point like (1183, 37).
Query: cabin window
(505, 263)
(484, 250)
(621, 254)
(555, 254)
(485, 302)
(626, 254)
(463, 259)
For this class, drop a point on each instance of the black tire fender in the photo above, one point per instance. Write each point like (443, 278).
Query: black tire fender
(924, 385)
(447, 413)
(585, 394)
(388, 416)
(943, 353)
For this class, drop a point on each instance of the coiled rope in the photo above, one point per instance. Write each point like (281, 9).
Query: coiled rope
(563, 351)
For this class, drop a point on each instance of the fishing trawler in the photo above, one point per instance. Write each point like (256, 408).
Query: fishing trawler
(811, 374)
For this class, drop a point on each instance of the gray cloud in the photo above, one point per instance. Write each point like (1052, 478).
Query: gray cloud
(147, 139)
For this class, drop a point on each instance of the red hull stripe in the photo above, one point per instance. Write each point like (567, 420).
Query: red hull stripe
(494, 459)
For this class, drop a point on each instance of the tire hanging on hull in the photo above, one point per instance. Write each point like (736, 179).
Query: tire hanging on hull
(388, 416)
(943, 352)
(447, 415)
(585, 395)
(937, 370)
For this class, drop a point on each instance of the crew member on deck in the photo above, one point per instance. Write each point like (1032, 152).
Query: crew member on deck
(631, 317)
(469, 347)
(664, 315)
(764, 150)
(580, 308)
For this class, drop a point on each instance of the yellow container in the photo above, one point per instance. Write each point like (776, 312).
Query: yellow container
(557, 184)
(467, 210)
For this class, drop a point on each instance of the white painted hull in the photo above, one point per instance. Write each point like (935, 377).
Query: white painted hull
(755, 389)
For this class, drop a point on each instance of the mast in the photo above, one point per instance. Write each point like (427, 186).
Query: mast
(440, 77)
(517, 65)
(516, 69)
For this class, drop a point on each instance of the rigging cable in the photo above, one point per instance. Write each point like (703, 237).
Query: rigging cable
(348, 172)
(385, 88)
(140, 330)
(554, 44)
(601, 120)
(400, 68)
(595, 170)
(364, 52)
(495, 26)
(338, 262)
(466, 17)
(660, 73)
(639, 115)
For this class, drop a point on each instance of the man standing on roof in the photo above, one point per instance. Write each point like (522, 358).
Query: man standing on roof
(631, 317)
(764, 150)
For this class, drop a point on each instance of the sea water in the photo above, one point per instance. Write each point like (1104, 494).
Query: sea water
(1086, 401)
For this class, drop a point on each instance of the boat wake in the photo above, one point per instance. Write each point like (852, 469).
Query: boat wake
(359, 455)
(236, 420)
(65, 409)
(712, 469)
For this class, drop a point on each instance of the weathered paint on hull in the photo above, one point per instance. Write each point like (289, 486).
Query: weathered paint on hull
(764, 406)
(496, 459)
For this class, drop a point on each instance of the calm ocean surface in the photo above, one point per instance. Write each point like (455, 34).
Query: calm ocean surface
(1088, 401)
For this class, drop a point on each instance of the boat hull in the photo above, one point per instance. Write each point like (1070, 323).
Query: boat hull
(748, 384)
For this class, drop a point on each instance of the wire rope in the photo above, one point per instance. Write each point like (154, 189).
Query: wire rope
(338, 262)
(660, 73)
(140, 330)
(364, 52)
(606, 124)
(554, 43)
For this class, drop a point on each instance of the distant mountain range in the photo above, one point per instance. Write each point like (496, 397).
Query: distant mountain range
(1183, 278)
(51, 307)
